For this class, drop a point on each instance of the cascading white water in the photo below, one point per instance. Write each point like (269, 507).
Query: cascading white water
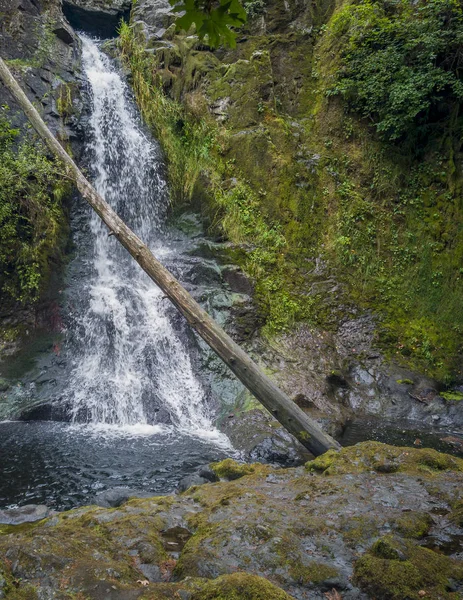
(128, 357)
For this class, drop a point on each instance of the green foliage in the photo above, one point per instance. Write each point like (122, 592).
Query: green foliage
(397, 239)
(452, 396)
(194, 151)
(212, 19)
(187, 140)
(401, 64)
(254, 8)
(31, 216)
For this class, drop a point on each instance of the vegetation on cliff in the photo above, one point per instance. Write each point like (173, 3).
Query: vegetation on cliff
(331, 133)
(32, 219)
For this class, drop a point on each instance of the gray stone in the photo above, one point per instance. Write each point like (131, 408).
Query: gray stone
(116, 496)
(189, 481)
(25, 514)
(64, 33)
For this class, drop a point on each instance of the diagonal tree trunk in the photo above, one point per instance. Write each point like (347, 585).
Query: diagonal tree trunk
(287, 412)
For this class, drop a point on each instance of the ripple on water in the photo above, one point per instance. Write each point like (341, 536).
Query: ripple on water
(63, 465)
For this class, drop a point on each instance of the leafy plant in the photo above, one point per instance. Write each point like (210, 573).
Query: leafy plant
(31, 214)
(213, 19)
(401, 64)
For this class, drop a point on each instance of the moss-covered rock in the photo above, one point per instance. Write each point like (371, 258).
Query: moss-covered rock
(411, 572)
(229, 469)
(414, 524)
(381, 458)
(239, 586)
(295, 529)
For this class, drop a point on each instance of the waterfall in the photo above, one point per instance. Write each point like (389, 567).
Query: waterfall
(130, 362)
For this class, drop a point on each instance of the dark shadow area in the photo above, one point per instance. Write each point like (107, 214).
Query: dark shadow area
(99, 24)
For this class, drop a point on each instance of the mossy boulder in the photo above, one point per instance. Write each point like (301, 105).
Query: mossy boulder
(267, 533)
(393, 570)
(229, 469)
(239, 586)
(414, 524)
(381, 458)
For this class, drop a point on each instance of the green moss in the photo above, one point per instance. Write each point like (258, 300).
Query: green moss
(12, 587)
(405, 381)
(238, 586)
(374, 456)
(230, 469)
(313, 573)
(16, 529)
(394, 571)
(385, 548)
(452, 396)
(27, 592)
(456, 516)
(414, 524)
(323, 462)
(360, 530)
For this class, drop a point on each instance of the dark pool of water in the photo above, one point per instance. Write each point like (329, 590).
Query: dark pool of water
(64, 466)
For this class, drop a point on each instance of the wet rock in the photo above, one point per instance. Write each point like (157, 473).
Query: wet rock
(175, 538)
(116, 496)
(98, 17)
(262, 439)
(64, 33)
(207, 473)
(190, 481)
(356, 531)
(237, 280)
(454, 441)
(154, 14)
(302, 401)
(25, 514)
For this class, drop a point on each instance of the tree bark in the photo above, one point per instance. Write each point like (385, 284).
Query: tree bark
(282, 408)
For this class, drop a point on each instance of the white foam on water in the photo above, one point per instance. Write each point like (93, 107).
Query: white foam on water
(130, 360)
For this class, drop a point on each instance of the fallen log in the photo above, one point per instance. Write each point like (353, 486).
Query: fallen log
(262, 387)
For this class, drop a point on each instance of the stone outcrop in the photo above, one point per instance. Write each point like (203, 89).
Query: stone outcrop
(43, 52)
(99, 17)
(372, 521)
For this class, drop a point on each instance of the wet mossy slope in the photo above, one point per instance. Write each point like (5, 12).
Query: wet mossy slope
(329, 155)
(372, 521)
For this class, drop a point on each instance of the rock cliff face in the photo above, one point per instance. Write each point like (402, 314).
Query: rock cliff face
(274, 165)
(371, 522)
(98, 17)
(43, 52)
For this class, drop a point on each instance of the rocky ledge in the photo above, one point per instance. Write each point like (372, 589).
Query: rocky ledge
(373, 521)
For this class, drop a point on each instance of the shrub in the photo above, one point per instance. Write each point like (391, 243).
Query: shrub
(31, 215)
(401, 64)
